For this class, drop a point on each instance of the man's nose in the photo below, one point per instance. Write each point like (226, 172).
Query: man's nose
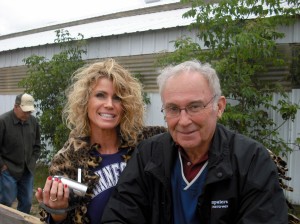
(184, 117)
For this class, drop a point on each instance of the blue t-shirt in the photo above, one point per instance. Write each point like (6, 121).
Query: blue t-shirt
(185, 194)
(109, 171)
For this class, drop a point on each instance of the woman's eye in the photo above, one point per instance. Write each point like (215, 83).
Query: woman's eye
(116, 98)
(100, 95)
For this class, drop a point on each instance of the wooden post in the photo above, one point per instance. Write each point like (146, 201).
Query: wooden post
(12, 216)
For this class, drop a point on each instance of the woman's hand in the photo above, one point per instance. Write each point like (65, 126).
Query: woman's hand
(55, 195)
(4, 167)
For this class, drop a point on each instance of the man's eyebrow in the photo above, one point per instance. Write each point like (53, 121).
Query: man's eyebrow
(175, 105)
(170, 105)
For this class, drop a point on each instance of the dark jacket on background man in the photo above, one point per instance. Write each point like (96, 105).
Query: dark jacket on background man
(19, 147)
(240, 172)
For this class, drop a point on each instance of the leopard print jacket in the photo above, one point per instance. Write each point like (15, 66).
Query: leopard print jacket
(75, 154)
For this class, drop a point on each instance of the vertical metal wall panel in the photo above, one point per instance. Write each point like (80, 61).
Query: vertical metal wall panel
(294, 157)
(136, 44)
(153, 114)
(162, 41)
(289, 131)
(94, 49)
(7, 59)
(148, 42)
(6, 103)
(292, 33)
(125, 46)
(9, 79)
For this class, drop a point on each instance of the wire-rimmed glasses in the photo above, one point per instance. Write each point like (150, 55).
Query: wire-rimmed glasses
(191, 109)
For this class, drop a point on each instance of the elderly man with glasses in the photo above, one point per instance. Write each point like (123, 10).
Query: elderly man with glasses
(198, 172)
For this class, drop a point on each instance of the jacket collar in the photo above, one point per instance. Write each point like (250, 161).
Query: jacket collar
(162, 157)
(219, 164)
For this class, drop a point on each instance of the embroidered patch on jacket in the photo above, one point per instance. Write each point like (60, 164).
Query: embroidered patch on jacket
(219, 204)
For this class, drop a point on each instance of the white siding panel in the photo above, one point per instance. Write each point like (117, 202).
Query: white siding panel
(19, 54)
(294, 166)
(148, 43)
(294, 158)
(121, 45)
(289, 131)
(124, 45)
(136, 44)
(7, 59)
(6, 103)
(161, 41)
(153, 114)
(101, 48)
(173, 34)
(94, 49)
(292, 33)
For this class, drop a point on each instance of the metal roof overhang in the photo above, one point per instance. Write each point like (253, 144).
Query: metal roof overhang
(118, 26)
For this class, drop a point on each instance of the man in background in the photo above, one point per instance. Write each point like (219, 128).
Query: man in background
(19, 151)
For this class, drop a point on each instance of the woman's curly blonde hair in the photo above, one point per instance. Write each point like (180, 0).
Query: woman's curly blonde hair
(127, 88)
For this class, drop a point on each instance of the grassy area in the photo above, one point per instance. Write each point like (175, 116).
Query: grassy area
(296, 210)
(40, 176)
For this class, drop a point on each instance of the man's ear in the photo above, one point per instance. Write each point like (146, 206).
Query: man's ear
(221, 106)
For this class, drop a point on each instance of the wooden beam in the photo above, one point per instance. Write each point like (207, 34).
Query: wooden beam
(12, 216)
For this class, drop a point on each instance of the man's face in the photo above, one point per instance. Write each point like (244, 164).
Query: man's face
(23, 116)
(192, 131)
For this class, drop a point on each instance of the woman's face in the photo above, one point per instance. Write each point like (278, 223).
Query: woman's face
(104, 106)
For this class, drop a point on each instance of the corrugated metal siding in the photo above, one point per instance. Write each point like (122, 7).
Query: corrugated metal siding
(138, 64)
(136, 51)
(280, 74)
(290, 131)
(150, 42)
(9, 78)
(145, 66)
(153, 114)
(7, 102)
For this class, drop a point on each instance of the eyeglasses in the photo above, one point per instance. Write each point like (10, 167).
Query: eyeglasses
(192, 109)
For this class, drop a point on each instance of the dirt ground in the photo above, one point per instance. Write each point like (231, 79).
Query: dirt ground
(35, 209)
